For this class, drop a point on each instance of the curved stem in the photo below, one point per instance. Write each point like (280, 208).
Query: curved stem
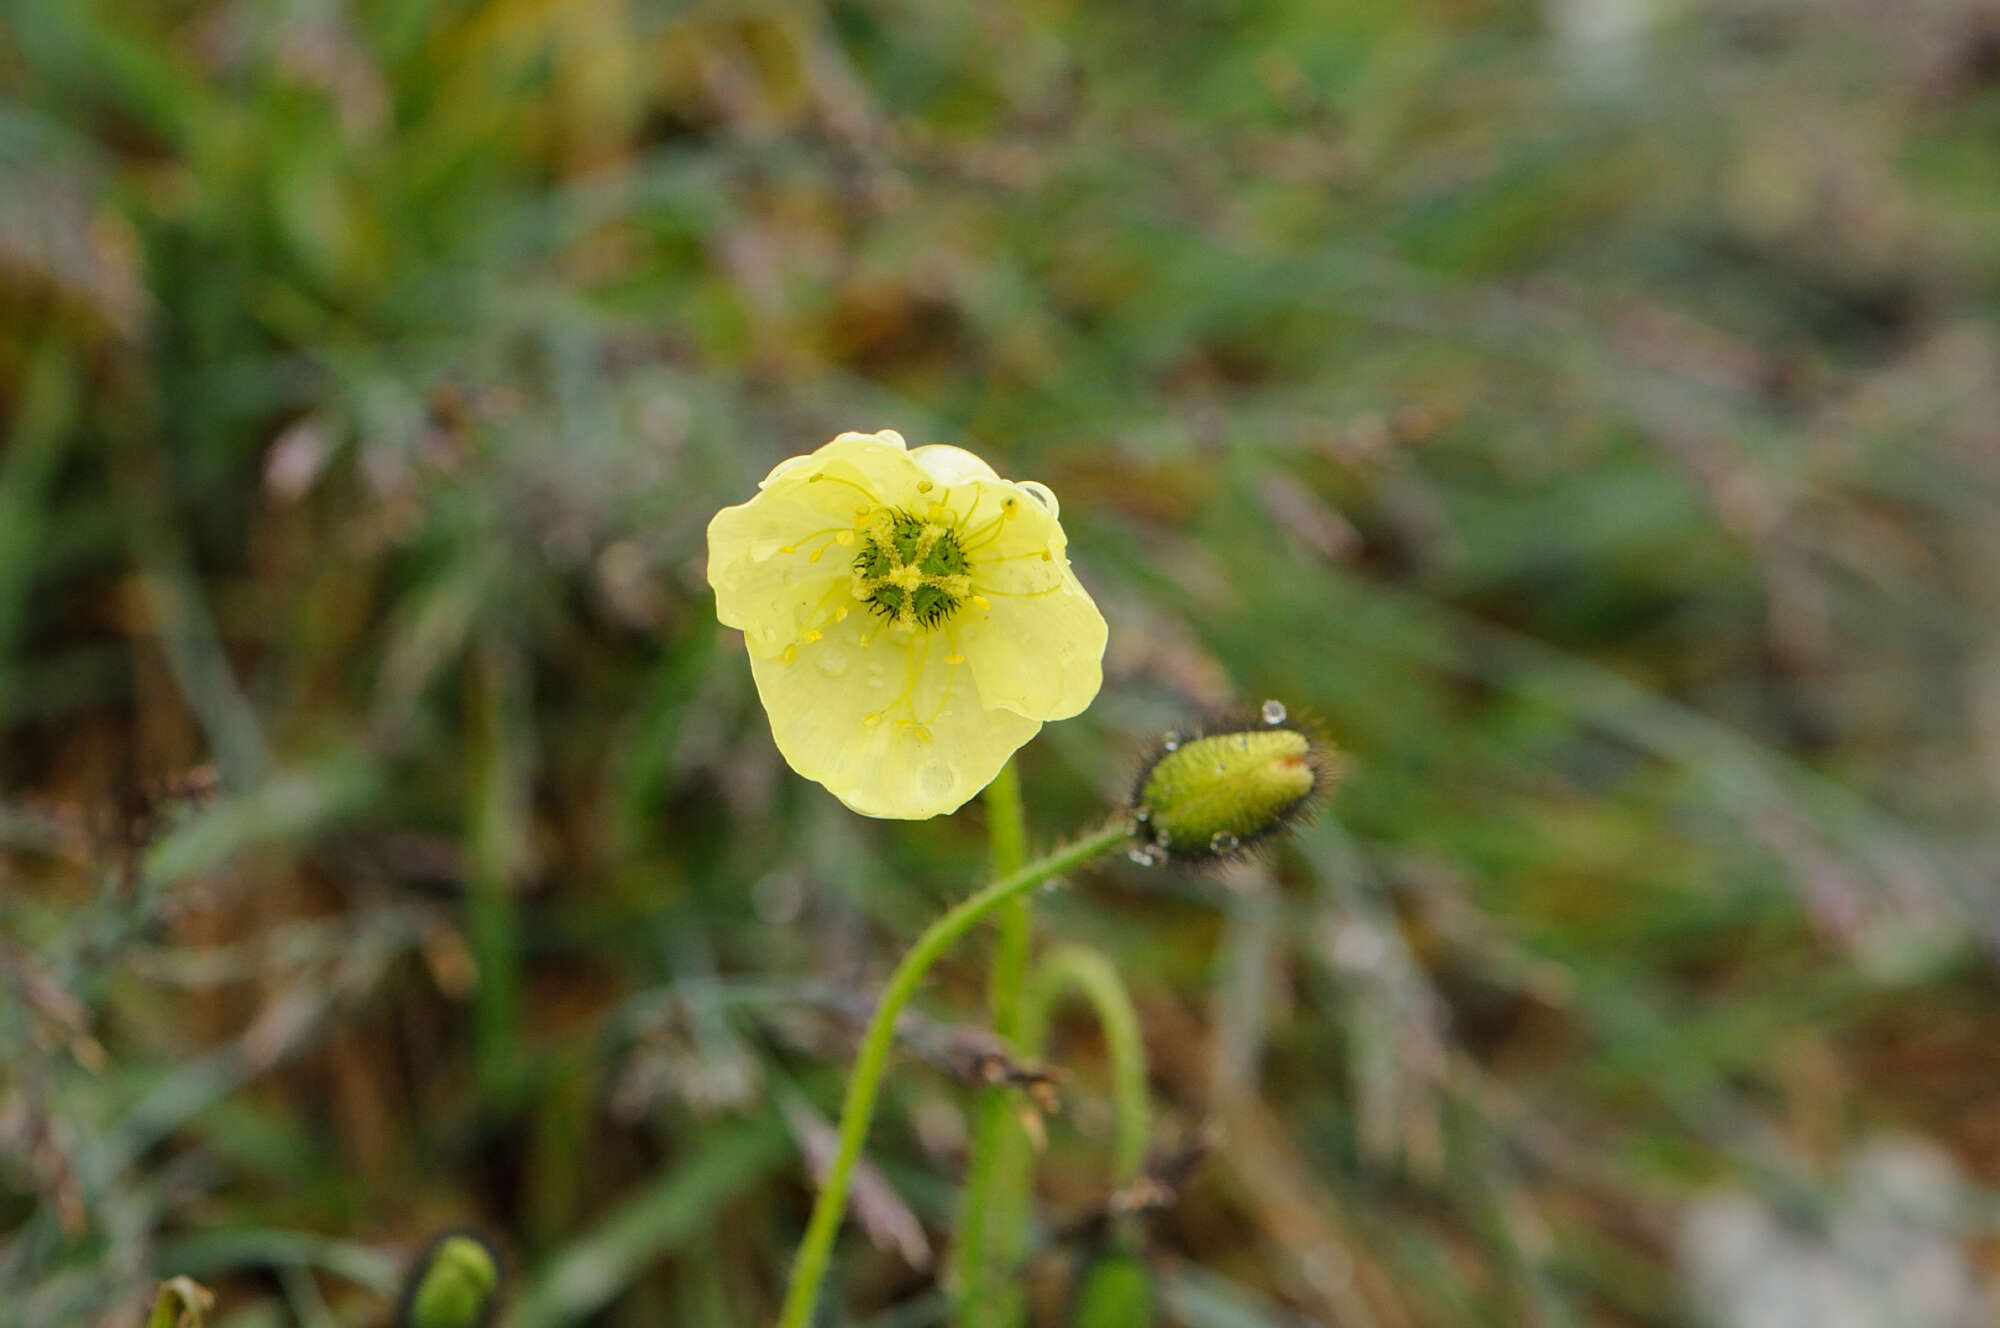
(996, 1148)
(1083, 970)
(859, 1109)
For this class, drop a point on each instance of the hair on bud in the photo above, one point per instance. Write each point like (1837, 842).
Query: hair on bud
(454, 1283)
(1210, 792)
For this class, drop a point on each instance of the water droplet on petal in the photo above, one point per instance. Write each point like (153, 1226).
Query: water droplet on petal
(1223, 842)
(832, 660)
(1273, 712)
(1042, 494)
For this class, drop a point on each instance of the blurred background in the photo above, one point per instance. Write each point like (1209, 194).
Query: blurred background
(1590, 409)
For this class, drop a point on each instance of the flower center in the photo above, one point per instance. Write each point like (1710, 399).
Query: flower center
(912, 571)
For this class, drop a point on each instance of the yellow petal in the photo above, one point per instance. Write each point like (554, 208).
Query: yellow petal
(775, 596)
(770, 594)
(1039, 655)
(950, 465)
(841, 715)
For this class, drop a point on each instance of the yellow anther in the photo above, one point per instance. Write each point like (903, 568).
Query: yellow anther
(840, 614)
(981, 602)
(815, 555)
(871, 719)
(954, 659)
(811, 637)
(925, 486)
(788, 548)
(791, 654)
(846, 537)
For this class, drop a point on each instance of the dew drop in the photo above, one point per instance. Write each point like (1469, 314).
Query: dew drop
(1171, 741)
(832, 660)
(1273, 712)
(1143, 815)
(937, 779)
(1050, 886)
(1144, 854)
(1223, 842)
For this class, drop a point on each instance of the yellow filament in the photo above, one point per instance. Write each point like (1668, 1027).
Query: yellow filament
(837, 479)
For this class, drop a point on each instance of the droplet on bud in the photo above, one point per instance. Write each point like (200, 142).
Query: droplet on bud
(1273, 712)
(1171, 741)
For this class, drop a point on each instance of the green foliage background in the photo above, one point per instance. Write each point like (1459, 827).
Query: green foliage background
(1592, 420)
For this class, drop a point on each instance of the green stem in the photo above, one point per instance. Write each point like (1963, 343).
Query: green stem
(996, 1143)
(1088, 973)
(859, 1108)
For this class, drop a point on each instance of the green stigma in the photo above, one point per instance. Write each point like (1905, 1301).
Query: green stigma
(911, 571)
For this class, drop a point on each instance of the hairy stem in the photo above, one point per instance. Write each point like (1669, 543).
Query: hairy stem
(859, 1109)
(1089, 974)
(996, 1143)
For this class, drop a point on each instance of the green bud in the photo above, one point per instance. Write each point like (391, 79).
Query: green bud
(1209, 795)
(454, 1285)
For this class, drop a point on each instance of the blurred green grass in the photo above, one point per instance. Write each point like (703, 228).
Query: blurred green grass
(1592, 425)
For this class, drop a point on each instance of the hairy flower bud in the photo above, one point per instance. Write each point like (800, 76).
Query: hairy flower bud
(455, 1283)
(1209, 794)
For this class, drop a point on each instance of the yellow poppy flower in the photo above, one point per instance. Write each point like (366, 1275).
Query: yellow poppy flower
(910, 616)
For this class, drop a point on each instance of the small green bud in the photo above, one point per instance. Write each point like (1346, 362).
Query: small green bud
(1239, 779)
(455, 1284)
